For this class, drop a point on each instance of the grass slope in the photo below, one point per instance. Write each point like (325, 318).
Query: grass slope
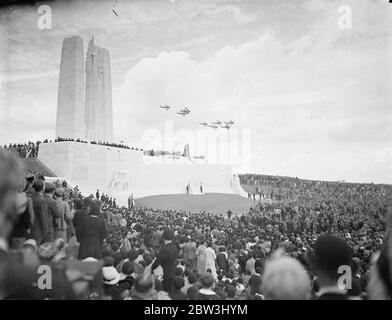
(211, 202)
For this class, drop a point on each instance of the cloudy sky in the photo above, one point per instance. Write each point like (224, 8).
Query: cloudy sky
(315, 98)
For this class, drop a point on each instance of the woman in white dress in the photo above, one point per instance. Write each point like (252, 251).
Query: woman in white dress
(210, 259)
(201, 258)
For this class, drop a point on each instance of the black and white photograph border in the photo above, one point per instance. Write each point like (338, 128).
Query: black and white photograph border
(197, 155)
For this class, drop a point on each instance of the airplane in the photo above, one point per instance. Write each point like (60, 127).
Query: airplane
(203, 123)
(225, 126)
(184, 111)
(212, 126)
(229, 122)
(164, 106)
(216, 122)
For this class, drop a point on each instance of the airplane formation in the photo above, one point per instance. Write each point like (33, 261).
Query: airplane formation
(214, 124)
(184, 111)
(218, 124)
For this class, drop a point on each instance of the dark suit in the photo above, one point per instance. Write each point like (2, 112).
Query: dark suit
(255, 284)
(78, 217)
(90, 234)
(53, 214)
(167, 259)
(222, 262)
(39, 230)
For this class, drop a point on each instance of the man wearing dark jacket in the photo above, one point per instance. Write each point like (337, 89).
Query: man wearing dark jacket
(39, 230)
(221, 260)
(167, 259)
(91, 233)
(82, 211)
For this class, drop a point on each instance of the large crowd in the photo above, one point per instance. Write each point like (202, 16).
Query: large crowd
(24, 150)
(30, 149)
(309, 191)
(330, 241)
(102, 143)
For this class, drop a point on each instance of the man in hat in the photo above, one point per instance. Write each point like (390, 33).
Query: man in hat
(167, 259)
(111, 278)
(330, 254)
(53, 210)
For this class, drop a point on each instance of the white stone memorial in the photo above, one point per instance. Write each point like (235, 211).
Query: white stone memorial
(118, 172)
(70, 100)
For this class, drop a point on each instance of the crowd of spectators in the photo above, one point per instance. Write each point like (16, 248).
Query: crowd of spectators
(154, 153)
(306, 191)
(30, 149)
(102, 143)
(278, 250)
(24, 150)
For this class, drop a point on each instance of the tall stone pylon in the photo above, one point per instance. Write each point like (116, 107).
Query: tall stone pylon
(98, 101)
(70, 99)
